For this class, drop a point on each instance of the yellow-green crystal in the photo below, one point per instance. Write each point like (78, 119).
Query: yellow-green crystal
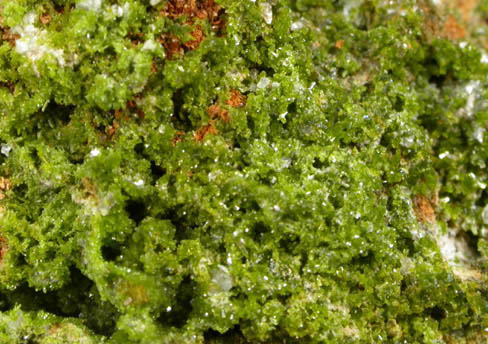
(342, 198)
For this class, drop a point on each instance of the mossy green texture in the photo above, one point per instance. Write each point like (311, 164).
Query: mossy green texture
(343, 200)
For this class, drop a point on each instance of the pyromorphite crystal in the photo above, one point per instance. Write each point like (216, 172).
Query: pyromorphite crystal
(243, 171)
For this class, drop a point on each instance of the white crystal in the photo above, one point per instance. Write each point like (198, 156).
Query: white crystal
(447, 246)
(94, 152)
(263, 83)
(149, 45)
(267, 12)
(31, 40)
(478, 134)
(118, 10)
(222, 278)
(29, 18)
(484, 214)
(5, 149)
(443, 155)
(484, 57)
(299, 24)
(91, 5)
(105, 204)
(471, 89)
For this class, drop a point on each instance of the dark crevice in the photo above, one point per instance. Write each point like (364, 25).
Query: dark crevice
(438, 79)
(304, 261)
(403, 286)
(258, 230)
(182, 306)
(5, 305)
(136, 210)
(407, 244)
(111, 252)
(319, 164)
(482, 200)
(178, 219)
(35, 157)
(183, 232)
(292, 108)
(290, 243)
(472, 242)
(20, 190)
(77, 299)
(251, 125)
(76, 159)
(337, 201)
(139, 148)
(398, 104)
(157, 171)
(234, 336)
(362, 261)
(180, 120)
(236, 144)
(385, 140)
(67, 298)
(436, 313)
(58, 112)
(429, 122)
(250, 206)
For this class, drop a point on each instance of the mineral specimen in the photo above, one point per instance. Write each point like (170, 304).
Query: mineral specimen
(243, 171)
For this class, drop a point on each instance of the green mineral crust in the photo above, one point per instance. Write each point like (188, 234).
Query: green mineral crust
(243, 171)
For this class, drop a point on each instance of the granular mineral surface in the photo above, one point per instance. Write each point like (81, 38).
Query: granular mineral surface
(243, 171)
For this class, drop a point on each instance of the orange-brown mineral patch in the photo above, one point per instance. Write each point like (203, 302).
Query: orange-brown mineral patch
(339, 44)
(45, 18)
(7, 36)
(194, 9)
(3, 247)
(423, 209)
(113, 128)
(451, 19)
(216, 112)
(179, 137)
(136, 38)
(205, 130)
(191, 11)
(172, 45)
(237, 99)
(452, 29)
(5, 185)
(198, 38)
(10, 86)
(466, 7)
(132, 105)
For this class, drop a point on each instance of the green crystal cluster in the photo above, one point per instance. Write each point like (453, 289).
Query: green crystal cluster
(244, 171)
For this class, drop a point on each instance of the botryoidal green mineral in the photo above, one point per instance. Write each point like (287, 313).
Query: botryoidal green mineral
(243, 171)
